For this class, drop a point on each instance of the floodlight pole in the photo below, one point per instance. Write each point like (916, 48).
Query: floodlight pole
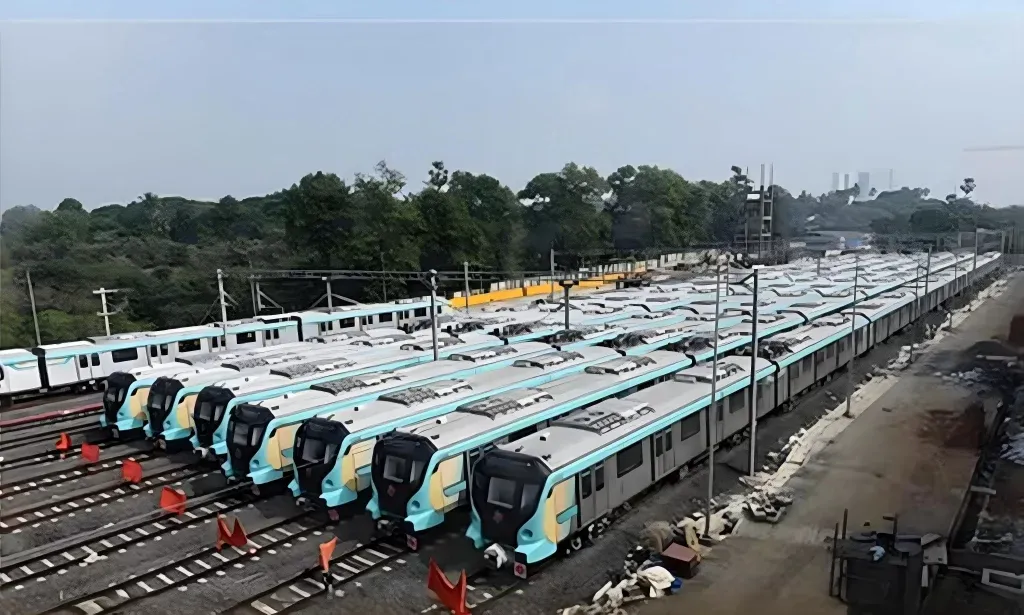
(566, 285)
(103, 292)
(753, 381)
(465, 274)
(712, 418)
(433, 310)
(853, 338)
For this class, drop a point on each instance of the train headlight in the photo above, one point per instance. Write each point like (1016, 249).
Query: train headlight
(527, 534)
(415, 504)
(520, 570)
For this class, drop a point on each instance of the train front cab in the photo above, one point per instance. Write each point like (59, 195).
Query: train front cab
(118, 388)
(208, 413)
(162, 394)
(318, 442)
(247, 426)
(506, 494)
(398, 471)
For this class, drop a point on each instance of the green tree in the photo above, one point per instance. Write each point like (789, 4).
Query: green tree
(450, 235)
(319, 218)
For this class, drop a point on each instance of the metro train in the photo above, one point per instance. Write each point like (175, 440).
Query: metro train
(272, 456)
(338, 479)
(84, 365)
(269, 425)
(555, 489)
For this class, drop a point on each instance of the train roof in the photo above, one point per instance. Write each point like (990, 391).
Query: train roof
(587, 431)
(16, 355)
(472, 419)
(360, 385)
(407, 403)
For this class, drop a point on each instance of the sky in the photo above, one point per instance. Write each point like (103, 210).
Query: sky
(103, 101)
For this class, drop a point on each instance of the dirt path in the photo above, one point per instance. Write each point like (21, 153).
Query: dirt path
(911, 451)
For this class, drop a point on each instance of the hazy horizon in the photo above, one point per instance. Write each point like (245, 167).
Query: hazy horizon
(103, 112)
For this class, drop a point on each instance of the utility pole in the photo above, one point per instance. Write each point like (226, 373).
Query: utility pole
(383, 278)
(103, 292)
(330, 294)
(465, 273)
(753, 382)
(223, 304)
(917, 303)
(853, 338)
(32, 300)
(433, 310)
(712, 417)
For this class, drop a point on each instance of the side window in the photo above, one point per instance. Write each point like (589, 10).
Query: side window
(246, 338)
(214, 342)
(420, 312)
(807, 364)
(163, 350)
(830, 351)
(125, 354)
(266, 334)
(387, 317)
(599, 477)
(95, 358)
(668, 439)
(188, 345)
(658, 450)
(585, 484)
(152, 351)
(366, 320)
(629, 459)
(737, 401)
(689, 427)
(794, 370)
(277, 334)
(83, 361)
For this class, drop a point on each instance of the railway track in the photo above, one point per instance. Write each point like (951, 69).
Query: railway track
(51, 559)
(105, 463)
(13, 519)
(192, 568)
(49, 418)
(345, 567)
(9, 443)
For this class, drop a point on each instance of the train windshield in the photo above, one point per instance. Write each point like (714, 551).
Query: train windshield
(399, 467)
(209, 412)
(161, 399)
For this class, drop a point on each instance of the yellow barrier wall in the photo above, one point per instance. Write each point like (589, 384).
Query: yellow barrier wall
(539, 289)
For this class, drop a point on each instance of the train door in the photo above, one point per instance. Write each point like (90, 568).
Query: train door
(664, 458)
(593, 500)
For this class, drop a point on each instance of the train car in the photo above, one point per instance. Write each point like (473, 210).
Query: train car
(552, 489)
(19, 372)
(349, 435)
(265, 453)
(216, 401)
(420, 473)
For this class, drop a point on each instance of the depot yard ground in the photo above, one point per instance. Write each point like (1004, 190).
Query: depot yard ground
(867, 469)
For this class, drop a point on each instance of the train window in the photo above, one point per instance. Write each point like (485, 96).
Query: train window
(266, 334)
(277, 334)
(420, 312)
(245, 338)
(366, 320)
(346, 323)
(396, 468)
(689, 427)
(163, 350)
(125, 354)
(807, 363)
(95, 359)
(599, 477)
(214, 342)
(841, 345)
(737, 401)
(439, 309)
(405, 314)
(387, 317)
(719, 415)
(531, 493)
(501, 492)
(189, 345)
(152, 351)
(794, 370)
(83, 361)
(668, 439)
(585, 485)
(1, 373)
(658, 450)
(321, 327)
(629, 459)
(330, 326)
(830, 352)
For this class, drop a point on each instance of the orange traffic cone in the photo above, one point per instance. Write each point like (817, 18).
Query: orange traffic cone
(64, 443)
(173, 501)
(234, 538)
(451, 596)
(131, 471)
(90, 452)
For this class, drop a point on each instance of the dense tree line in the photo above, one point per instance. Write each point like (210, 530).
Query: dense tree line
(162, 252)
